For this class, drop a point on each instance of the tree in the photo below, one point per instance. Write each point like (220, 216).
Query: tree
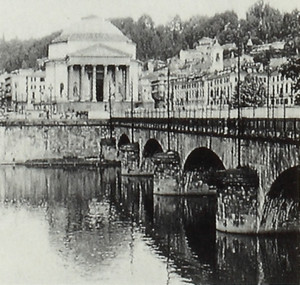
(291, 69)
(264, 22)
(290, 31)
(16, 54)
(193, 30)
(252, 93)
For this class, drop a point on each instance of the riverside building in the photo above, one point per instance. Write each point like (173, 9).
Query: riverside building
(89, 65)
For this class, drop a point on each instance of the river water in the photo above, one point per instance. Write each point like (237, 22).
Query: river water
(91, 226)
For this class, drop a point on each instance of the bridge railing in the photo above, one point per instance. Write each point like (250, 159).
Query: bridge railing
(249, 128)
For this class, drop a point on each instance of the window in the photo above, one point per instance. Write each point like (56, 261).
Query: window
(61, 89)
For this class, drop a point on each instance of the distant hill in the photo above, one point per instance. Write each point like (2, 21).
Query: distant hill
(17, 54)
(262, 24)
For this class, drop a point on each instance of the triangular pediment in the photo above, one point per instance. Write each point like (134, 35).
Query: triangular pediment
(99, 50)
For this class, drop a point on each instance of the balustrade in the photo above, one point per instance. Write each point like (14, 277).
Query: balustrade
(273, 129)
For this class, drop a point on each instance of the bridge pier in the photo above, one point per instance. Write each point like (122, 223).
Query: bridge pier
(211, 149)
(167, 174)
(130, 159)
(237, 201)
(108, 149)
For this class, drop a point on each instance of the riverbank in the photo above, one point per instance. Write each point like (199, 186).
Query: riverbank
(70, 162)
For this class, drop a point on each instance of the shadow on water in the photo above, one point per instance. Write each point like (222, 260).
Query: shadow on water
(96, 216)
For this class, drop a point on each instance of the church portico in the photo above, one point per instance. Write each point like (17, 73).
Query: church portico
(97, 72)
(95, 83)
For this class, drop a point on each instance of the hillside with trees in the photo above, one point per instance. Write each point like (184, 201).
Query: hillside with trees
(17, 54)
(263, 24)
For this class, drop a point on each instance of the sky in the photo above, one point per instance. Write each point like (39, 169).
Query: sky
(26, 19)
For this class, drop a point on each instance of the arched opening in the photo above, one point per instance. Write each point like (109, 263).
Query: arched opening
(287, 185)
(199, 171)
(152, 147)
(281, 205)
(123, 140)
(203, 158)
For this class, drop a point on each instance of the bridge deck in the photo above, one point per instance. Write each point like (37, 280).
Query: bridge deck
(276, 130)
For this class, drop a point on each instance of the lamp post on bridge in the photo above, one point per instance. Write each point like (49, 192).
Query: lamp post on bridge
(132, 124)
(168, 108)
(50, 107)
(238, 99)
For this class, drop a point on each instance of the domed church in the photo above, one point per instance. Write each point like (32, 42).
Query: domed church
(89, 63)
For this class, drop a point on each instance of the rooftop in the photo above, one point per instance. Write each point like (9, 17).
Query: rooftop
(91, 28)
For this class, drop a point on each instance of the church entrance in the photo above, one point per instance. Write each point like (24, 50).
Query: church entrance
(99, 87)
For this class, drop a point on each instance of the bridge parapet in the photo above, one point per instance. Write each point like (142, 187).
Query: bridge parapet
(276, 130)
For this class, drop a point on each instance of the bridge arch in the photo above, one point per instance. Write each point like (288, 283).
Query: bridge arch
(202, 158)
(152, 147)
(287, 185)
(124, 139)
(281, 206)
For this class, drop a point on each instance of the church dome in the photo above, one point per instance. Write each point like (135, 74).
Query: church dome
(92, 28)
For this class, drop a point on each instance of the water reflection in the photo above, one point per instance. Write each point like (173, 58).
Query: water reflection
(98, 227)
(258, 260)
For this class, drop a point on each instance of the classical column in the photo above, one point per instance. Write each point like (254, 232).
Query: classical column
(105, 84)
(116, 83)
(69, 84)
(127, 83)
(81, 84)
(94, 98)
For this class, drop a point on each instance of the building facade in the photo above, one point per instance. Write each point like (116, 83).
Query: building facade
(90, 63)
(25, 89)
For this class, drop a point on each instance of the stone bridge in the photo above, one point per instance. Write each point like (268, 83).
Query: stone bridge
(252, 164)
(269, 150)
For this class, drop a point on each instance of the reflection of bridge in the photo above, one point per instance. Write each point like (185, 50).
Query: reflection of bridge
(269, 147)
(179, 231)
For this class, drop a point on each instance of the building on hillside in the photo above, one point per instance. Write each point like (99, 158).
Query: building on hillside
(207, 52)
(276, 46)
(90, 62)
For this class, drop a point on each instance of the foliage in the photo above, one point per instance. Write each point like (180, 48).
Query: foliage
(252, 93)
(262, 24)
(297, 100)
(17, 54)
(291, 69)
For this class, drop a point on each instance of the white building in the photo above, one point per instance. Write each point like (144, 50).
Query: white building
(90, 62)
(207, 52)
(25, 88)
